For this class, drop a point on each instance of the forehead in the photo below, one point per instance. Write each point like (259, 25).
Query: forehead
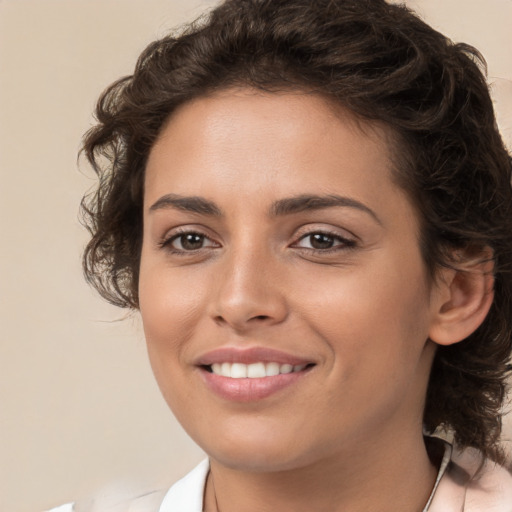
(223, 112)
(254, 138)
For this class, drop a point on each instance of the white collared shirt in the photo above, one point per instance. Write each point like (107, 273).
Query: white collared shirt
(458, 488)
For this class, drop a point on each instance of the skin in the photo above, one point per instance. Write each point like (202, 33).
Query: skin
(348, 434)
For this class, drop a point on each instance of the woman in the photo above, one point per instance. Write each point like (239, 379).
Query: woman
(310, 205)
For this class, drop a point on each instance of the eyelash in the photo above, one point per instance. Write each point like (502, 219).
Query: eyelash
(343, 243)
(166, 243)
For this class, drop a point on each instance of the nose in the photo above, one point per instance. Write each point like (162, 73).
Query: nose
(249, 292)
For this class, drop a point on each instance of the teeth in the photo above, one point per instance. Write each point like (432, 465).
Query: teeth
(254, 370)
(238, 371)
(286, 368)
(272, 369)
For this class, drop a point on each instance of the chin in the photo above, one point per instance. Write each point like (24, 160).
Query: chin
(262, 449)
(259, 460)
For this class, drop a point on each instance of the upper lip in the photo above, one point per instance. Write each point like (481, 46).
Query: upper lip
(249, 356)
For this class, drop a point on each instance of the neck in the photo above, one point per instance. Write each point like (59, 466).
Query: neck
(391, 475)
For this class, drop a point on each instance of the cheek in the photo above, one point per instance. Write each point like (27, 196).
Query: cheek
(169, 300)
(372, 316)
(170, 308)
(375, 325)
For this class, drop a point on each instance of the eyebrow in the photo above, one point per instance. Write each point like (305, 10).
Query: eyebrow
(282, 207)
(309, 202)
(192, 204)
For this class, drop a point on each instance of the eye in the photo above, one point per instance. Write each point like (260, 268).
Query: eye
(320, 241)
(187, 242)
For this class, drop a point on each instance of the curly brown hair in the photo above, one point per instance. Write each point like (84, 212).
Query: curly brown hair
(384, 64)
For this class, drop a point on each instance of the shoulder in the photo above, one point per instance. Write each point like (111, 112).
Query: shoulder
(148, 502)
(186, 495)
(68, 507)
(473, 486)
(490, 490)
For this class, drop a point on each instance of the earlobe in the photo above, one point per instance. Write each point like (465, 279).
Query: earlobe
(461, 300)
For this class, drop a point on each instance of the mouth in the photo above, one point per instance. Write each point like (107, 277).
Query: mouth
(252, 374)
(257, 370)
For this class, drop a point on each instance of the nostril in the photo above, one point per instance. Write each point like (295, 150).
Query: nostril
(243, 317)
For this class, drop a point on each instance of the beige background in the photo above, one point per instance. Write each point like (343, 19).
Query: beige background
(79, 410)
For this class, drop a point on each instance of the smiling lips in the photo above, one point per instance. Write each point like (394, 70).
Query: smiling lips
(250, 374)
(254, 370)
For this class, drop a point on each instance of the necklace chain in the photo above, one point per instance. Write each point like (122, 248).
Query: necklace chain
(214, 494)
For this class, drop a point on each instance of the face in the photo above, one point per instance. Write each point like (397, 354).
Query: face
(284, 299)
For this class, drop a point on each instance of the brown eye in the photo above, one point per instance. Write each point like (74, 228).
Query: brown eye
(321, 241)
(189, 242)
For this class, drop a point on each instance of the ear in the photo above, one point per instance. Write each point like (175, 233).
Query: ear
(461, 298)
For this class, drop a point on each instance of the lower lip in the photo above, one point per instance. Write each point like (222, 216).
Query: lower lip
(249, 390)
